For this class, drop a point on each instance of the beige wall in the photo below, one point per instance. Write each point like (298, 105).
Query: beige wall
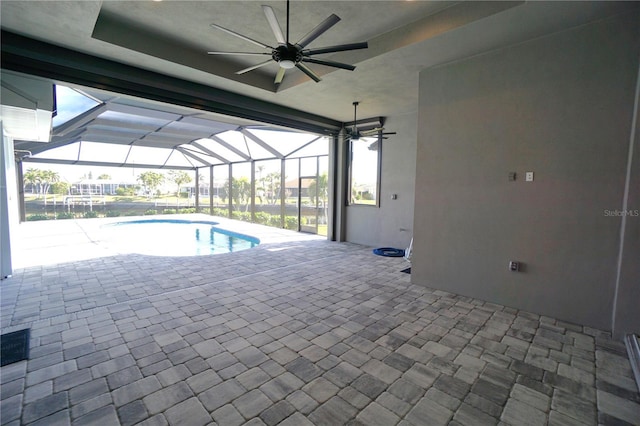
(560, 106)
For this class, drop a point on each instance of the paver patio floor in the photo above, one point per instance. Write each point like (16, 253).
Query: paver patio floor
(296, 331)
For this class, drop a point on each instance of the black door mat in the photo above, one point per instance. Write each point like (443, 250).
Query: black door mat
(14, 347)
(406, 271)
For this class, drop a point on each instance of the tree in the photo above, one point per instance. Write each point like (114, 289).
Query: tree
(104, 176)
(241, 191)
(48, 178)
(32, 177)
(223, 191)
(319, 188)
(179, 177)
(60, 188)
(151, 181)
(260, 186)
(272, 183)
(42, 180)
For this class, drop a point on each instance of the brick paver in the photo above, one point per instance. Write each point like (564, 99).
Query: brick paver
(295, 331)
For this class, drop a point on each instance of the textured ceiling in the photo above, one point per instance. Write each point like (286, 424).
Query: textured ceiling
(172, 37)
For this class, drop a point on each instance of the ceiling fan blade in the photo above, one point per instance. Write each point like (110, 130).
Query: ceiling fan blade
(273, 23)
(329, 63)
(389, 133)
(242, 36)
(337, 48)
(239, 53)
(279, 75)
(253, 67)
(317, 31)
(372, 131)
(305, 69)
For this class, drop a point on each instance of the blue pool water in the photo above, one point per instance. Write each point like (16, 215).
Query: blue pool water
(163, 237)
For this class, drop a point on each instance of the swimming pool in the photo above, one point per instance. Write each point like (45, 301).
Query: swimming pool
(174, 237)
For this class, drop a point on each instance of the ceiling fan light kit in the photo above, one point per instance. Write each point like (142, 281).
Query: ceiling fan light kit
(289, 55)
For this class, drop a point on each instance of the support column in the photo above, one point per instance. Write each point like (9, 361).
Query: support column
(253, 191)
(338, 178)
(283, 195)
(8, 213)
(22, 208)
(197, 188)
(211, 190)
(229, 189)
(332, 188)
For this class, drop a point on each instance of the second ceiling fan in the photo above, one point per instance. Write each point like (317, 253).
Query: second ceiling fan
(355, 134)
(289, 55)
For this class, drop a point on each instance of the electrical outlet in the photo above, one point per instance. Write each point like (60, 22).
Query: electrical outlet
(514, 266)
(528, 176)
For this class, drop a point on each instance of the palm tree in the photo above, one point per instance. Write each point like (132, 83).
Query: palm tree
(319, 188)
(32, 177)
(260, 189)
(48, 177)
(179, 177)
(241, 191)
(42, 179)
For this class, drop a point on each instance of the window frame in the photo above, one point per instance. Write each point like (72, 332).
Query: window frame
(351, 201)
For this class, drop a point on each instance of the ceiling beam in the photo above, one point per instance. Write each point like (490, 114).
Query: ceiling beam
(230, 147)
(262, 143)
(56, 143)
(188, 153)
(106, 164)
(209, 152)
(302, 147)
(79, 121)
(162, 139)
(30, 56)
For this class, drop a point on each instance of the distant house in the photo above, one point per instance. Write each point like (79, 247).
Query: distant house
(292, 185)
(203, 188)
(99, 186)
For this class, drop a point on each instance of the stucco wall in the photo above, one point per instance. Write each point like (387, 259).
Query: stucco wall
(390, 225)
(560, 106)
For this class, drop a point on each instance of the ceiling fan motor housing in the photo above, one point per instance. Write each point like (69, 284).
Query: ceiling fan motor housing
(286, 53)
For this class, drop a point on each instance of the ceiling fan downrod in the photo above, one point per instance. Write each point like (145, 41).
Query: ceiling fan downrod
(287, 22)
(355, 107)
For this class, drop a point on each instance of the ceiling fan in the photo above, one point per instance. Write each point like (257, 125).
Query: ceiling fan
(355, 134)
(289, 55)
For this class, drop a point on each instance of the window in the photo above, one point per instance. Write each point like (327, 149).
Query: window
(364, 171)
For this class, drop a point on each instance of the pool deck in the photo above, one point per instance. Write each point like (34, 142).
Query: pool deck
(296, 331)
(50, 242)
